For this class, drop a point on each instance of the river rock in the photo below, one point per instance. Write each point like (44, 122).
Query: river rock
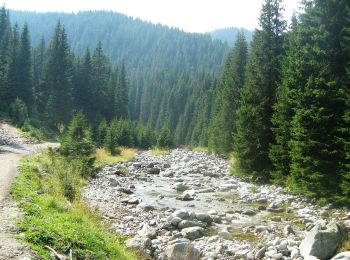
(204, 218)
(287, 230)
(321, 243)
(175, 221)
(249, 212)
(182, 251)
(193, 233)
(182, 213)
(153, 171)
(260, 253)
(228, 186)
(113, 182)
(186, 197)
(342, 256)
(190, 223)
(124, 190)
(133, 200)
(137, 164)
(181, 187)
(147, 232)
(140, 245)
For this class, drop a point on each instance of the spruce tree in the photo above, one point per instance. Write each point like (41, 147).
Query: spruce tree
(319, 129)
(82, 93)
(77, 141)
(58, 79)
(227, 100)
(165, 138)
(100, 72)
(4, 51)
(121, 95)
(253, 135)
(286, 97)
(24, 72)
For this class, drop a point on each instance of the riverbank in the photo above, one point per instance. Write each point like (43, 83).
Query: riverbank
(189, 198)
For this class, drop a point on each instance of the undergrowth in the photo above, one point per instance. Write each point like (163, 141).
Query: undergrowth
(48, 190)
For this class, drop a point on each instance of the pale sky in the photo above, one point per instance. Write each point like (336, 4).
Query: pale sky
(189, 15)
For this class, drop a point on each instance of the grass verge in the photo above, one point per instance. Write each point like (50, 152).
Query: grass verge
(104, 157)
(201, 149)
(159, 152)
(52, 220)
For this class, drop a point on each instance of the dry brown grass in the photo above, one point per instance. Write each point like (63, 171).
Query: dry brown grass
(104, 158)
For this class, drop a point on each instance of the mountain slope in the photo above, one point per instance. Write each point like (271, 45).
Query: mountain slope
(162, 63)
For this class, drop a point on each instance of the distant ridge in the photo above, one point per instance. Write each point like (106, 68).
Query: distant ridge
(229, 34)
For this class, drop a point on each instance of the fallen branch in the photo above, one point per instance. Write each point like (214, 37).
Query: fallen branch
(59, 256)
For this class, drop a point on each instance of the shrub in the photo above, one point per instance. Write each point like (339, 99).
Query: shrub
(165, 138)
(18, 112)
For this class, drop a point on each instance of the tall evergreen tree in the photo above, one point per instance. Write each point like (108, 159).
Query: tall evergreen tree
(121, 94)
(320, 126)
(222, 125)
(12, 85)
(24, 75)
(40, 91)
(100, 72)
(82, 92)
(58, 79)
(5, 34)
(286, 97)
(254, 136)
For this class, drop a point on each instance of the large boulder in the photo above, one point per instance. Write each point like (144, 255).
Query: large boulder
(193, 233)
(321, 243)
(182, 251)
(140, 245)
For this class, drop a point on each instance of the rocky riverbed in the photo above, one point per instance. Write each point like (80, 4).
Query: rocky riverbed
(186, 205)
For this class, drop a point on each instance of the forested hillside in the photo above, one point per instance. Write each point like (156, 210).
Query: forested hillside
(230, 34)
(167, 70)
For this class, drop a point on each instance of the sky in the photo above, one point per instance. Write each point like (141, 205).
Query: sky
(188, 15)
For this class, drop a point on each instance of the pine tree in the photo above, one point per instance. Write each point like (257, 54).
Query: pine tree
(82, 93)
(101, 133)
(254, 136)
(112, 137)
(78, 142)
(285, 102)
(121, 95)
(58, 79)
(12, 85)
(100, 73)
(222, 125)
(319, 129)
(24, 72)
(165, 138)
(4, 51)
(40, 91)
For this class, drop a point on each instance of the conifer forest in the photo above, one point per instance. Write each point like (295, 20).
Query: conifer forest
(276, 99)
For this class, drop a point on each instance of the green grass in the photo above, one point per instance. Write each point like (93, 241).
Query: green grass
(50, 219)
(159, 152)
(104, 158)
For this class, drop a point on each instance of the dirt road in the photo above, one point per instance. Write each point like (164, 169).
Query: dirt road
(13, 146)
